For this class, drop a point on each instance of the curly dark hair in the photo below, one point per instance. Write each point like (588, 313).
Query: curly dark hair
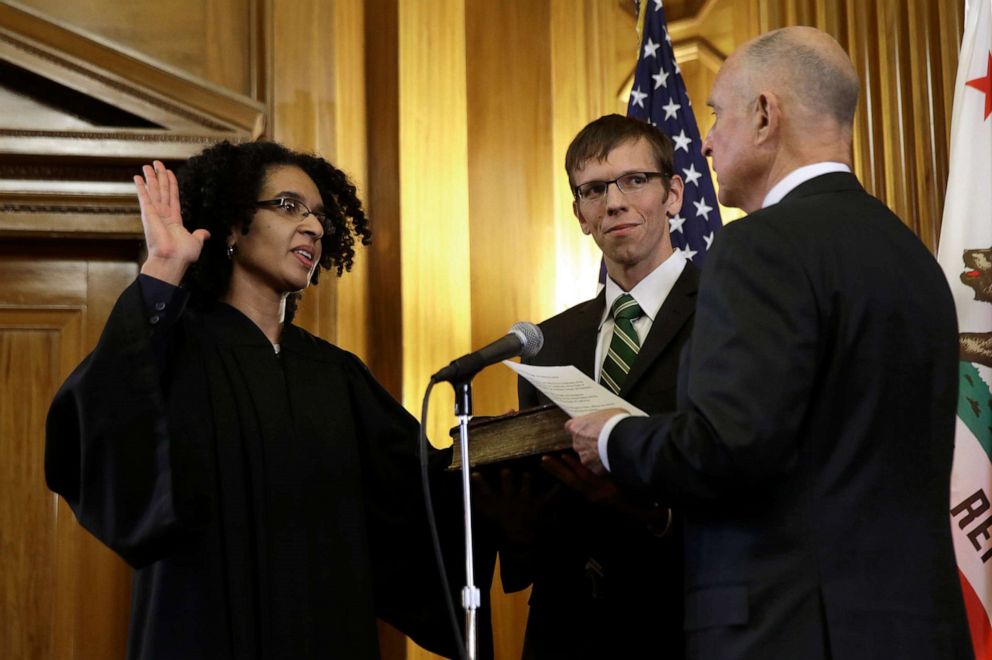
(217, 191)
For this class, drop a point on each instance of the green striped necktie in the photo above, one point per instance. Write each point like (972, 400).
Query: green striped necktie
(624, 344)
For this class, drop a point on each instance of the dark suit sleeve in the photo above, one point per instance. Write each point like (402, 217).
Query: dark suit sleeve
(750, 376)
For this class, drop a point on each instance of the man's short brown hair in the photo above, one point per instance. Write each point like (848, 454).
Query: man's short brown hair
(603, 135)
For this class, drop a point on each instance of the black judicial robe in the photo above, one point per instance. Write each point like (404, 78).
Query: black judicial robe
(270, 505)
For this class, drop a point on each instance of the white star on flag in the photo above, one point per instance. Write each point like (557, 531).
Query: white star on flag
(650, 48)
(637, 97)
(702, 209)
(691, 175)
(657, 5)
(688, 253)
(709, 239)
(682, 141)
(668, 38)
(675, 223)
(660, 79)
(672, 109)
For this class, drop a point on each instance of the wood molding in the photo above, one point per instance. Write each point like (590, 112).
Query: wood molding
(169, 115)
(135, 82)
(698, 49)
(97, 144)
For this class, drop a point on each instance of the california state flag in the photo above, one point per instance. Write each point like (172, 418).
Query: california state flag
(965, 253)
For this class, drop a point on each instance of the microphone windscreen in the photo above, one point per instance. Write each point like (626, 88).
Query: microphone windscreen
(530, 336)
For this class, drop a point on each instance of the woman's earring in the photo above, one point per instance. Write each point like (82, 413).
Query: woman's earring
(230, 251)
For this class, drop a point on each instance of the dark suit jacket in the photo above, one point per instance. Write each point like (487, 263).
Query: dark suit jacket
(812, 447)
(606, 586)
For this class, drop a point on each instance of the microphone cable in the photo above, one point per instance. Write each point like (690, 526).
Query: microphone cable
(432, 524)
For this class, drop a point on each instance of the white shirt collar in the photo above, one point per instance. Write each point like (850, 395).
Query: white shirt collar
(798, 176)
(650, 293)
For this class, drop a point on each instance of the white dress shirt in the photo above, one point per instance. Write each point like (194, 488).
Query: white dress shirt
(650, 293)
(799, 176)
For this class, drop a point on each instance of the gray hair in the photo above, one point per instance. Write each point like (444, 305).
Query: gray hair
(821, 79)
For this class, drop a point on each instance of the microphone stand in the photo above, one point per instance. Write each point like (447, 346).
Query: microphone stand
(470, 593)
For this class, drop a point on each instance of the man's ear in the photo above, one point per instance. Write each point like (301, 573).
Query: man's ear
(767, 116)
(673, 201)
(586, 229)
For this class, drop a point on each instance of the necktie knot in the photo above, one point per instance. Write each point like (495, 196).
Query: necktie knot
(625, 307)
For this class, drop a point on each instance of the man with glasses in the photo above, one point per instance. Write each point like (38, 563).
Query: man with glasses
(606, 570)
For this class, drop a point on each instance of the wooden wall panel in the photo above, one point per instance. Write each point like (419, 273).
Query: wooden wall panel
(350, 152)
(510, 189)
(30, 344)
(511, 207)
(433, 169)
(383, 194)
(62, 593)
(418, 191)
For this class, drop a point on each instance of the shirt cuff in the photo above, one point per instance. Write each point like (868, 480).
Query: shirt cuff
(604, 436)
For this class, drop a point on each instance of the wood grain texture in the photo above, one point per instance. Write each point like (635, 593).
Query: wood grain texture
(385, 315)
(433, 193)
(62, 593)
(350, 153)
(511, 207)
(29, 350)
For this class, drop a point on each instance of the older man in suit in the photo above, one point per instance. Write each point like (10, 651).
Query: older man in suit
(811, 450)
(605, 568)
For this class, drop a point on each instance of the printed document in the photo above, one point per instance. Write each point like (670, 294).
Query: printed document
(571, 390)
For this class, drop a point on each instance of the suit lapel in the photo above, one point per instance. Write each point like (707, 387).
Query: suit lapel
(580, 346)
(675, 311)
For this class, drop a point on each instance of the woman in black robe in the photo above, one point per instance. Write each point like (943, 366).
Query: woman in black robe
(262, 484)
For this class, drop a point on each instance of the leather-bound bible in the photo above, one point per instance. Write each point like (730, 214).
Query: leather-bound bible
(513, 437)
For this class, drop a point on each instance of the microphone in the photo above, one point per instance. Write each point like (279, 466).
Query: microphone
(524, 339)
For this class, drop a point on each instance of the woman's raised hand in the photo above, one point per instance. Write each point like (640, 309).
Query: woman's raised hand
(171, 247)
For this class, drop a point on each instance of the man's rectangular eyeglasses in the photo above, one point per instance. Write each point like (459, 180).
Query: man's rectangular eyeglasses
(594, 191)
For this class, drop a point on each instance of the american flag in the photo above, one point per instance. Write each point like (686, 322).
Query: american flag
(659, 97)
